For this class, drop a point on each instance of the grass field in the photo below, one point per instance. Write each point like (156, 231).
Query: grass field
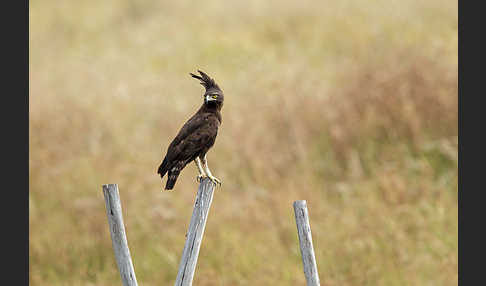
(350, 105)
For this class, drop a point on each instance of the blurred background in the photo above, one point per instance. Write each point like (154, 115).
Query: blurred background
(350, 105)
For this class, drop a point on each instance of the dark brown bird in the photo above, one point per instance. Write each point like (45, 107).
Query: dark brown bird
(196, 137)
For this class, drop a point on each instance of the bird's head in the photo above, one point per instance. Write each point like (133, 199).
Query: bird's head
(214, 95)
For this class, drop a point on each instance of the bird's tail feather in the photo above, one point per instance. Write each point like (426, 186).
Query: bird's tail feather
(171, 181)
(162, 168)
(173, 174)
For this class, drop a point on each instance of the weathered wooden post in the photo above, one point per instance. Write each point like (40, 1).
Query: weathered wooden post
(118, 236)
(305, 240)
(195, 233)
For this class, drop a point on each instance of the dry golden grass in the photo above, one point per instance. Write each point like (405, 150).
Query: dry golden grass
(350, 105)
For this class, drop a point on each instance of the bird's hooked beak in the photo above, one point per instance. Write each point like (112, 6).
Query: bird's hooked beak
(211, 97)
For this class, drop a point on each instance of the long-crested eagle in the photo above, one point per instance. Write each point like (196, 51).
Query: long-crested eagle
(196, 137)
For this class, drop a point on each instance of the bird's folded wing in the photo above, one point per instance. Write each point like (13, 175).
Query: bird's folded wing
(189, 127)
(197, 134)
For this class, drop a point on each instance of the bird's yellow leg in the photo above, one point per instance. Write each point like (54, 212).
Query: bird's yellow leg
(213, 179)
(200, 169)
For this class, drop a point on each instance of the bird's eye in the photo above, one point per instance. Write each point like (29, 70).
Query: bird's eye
(215, 96)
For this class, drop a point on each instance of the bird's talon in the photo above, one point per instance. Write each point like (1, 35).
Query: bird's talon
(199, 178)
(215, 180)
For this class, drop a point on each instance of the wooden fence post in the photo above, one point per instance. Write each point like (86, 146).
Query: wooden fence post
(118, 236)
(305, 241)
(195, 233)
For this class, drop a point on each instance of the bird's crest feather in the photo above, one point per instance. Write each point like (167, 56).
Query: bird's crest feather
(206, 81)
